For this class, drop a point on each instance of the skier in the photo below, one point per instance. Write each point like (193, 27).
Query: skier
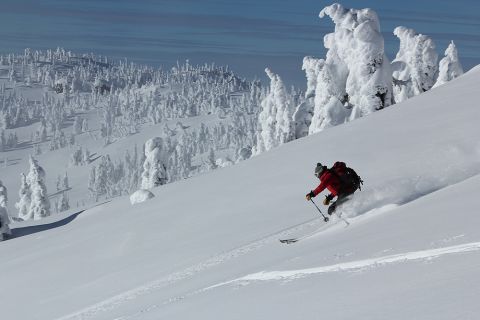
(340, 180)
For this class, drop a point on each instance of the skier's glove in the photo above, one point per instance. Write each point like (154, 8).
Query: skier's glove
(327, 199)
(310, 195)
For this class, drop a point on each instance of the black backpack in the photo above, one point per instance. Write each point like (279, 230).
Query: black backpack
(349, 179)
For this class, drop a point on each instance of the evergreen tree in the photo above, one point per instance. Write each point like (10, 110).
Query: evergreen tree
(450, 66)
(276, 119)
(4, 219)
(92, 182)
(63, 203)
(40, 204)
(154, 167)
(23, 204)
(415, 66)
(77, 125)
(65, 184)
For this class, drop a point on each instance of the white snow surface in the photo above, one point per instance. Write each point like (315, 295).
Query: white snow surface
(207, 247)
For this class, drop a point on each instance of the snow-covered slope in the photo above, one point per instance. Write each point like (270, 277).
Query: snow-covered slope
(207, 247)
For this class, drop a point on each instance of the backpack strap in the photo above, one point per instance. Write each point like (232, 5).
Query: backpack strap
(342, 182)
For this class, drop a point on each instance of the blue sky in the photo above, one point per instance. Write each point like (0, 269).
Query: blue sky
(247, 35)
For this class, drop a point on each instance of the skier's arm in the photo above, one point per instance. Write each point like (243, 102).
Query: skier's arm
(322, 186)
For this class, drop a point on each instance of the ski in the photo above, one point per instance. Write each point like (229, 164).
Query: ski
(305, 236)
(311, 234)
(288, 241)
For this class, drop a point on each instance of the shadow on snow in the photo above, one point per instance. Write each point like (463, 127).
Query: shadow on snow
(25, 231)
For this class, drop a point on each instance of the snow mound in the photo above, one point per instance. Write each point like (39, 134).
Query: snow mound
(141, 195)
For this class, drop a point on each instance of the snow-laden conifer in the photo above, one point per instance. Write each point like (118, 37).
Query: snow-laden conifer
(77, 125)
(154, 167)
(63, 203)
(358, 43)
(276, 124)
(329, 109)
(355, 77)
(65, 184)
(23, 204)
(41, 133)
(450, 66)
(39, 204)
(4, 219)
(415, 65)
(305, 110)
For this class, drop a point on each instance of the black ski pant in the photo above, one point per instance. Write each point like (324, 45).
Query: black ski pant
(341, 198)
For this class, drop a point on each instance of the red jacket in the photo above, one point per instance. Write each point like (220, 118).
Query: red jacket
(328, 181)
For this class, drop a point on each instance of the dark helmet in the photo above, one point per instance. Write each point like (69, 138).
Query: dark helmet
(319, 170)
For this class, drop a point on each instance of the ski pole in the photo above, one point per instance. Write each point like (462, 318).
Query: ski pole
(324, 217)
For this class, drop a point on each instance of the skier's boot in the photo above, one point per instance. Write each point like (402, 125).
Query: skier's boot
(332, 208)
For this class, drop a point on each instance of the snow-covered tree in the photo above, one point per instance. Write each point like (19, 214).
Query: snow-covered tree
(39, 204)
(77, 125)
(103, 172)
(76, 158)
(211, 160)
(305, 110)
(154, 167)
(415, 65)
(4, 121)
(80, 156)
(330, 94)
(85, 157)
(65, 184)
(63, 203)
(37, 150)
(85, 125)
(23, 204)
(357, 45)
(3, 140)
(276, 124)
(59, 183)
(91, 183)
(355, 77)
(4, 219)
(71, 139)
(41, 133)
(450, 66)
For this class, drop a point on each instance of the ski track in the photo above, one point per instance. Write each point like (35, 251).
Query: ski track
(301, 273)
(354, 265)
(122, 298)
